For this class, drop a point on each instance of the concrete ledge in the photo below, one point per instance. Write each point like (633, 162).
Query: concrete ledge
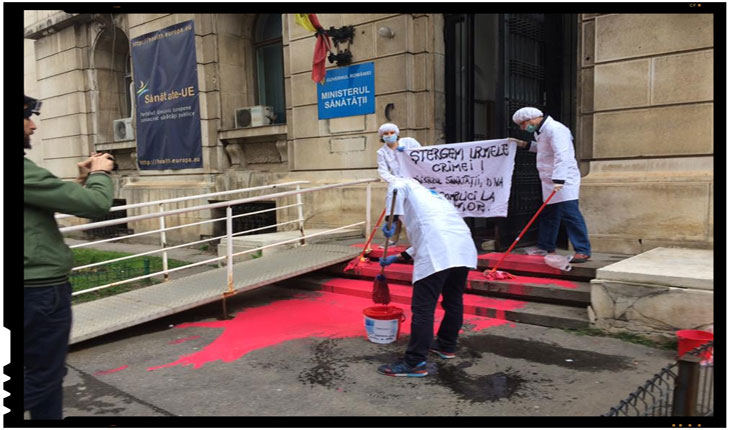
(669, 267)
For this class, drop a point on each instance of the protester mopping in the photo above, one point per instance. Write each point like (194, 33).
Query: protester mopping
(442, 251)
(558, 171)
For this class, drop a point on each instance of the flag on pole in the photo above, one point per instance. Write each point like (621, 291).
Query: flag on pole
(303, 20)
(309, 22)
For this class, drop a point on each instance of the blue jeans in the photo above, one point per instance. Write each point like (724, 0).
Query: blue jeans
(450, 283)
(549, 224)
(46, 330)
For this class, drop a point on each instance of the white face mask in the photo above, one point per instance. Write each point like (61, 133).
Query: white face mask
(390, 138)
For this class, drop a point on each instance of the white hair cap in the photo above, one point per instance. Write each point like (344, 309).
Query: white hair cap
(526, 114)
(388, 127)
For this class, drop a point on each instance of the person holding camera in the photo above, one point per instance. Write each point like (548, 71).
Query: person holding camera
(47, 262)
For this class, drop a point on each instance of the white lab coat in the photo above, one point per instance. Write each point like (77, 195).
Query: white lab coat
(440, 239)
(556, 160)
(389, 169)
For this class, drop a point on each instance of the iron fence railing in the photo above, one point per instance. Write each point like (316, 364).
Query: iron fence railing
(682, 388)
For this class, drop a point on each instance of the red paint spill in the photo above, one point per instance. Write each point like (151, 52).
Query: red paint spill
(525, 280)
(176, 341)
(404, 273)
(377, 251)
(106, 372)
(519, 262)
(321, 314)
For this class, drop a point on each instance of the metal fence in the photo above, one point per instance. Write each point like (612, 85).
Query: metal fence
(682, 388)
(227, 205)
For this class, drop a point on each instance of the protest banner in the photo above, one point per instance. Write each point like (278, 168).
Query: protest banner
(474, 176)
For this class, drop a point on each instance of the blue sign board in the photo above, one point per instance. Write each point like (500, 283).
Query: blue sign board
(347, 91)
(168, 112)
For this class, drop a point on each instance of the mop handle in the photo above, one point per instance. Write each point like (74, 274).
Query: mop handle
(523, 232)
(390, 223)
(382, 215)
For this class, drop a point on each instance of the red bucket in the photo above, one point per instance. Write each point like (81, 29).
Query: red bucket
(382, 323)
(691, 339)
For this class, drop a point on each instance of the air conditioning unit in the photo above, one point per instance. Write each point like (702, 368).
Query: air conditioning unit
(254, 116)
(123, 129)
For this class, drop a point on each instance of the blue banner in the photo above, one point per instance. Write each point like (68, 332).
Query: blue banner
(168, 112)
(347, 91)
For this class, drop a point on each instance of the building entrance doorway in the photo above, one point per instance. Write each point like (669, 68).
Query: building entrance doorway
(496, 64)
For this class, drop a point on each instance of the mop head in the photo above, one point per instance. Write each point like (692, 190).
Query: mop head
(497, 275)
(381, 293)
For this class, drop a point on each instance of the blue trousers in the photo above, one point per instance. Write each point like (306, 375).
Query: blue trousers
(549, 224)
(450, 283)
(46, 330)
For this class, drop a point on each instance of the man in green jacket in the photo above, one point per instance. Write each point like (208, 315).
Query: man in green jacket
(47, 262)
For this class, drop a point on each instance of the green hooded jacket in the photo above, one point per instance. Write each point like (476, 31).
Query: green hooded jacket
(47, 260)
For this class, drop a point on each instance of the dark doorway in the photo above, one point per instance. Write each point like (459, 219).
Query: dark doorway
(496, 64)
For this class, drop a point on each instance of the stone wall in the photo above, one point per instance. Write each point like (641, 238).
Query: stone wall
(404, 76)
(646, 130)
(61, 50)
(644, 135)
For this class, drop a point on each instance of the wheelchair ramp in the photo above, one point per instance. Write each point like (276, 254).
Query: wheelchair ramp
(124, 310)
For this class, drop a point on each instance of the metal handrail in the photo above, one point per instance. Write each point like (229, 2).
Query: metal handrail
(141, 254)
(197, 196)
(89, 226)
(229, 234)
(180, 226)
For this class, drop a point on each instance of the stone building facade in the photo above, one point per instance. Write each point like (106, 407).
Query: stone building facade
(642, 123)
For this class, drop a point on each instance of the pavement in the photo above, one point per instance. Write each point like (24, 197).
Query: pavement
(271, 362)
(289, 352)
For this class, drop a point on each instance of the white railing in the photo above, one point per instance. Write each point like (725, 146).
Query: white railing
(161, 214)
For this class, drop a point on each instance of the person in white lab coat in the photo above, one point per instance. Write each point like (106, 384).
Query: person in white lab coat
(442, 251)
(388, 166)
(558, 169)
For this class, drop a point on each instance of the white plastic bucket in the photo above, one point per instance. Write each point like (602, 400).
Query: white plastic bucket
(382, 323)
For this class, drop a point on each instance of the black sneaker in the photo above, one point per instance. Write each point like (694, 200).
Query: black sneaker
(443, 354)
(403, 369)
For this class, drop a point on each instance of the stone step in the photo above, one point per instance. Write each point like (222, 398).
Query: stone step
(569, 293)
(542, 314)
(519, 263)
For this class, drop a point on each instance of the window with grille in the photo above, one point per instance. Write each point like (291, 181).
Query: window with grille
(246, 223)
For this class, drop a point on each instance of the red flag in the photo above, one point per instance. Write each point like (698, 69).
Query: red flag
(321, 48)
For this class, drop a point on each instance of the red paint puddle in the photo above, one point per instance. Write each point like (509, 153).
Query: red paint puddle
(377, 251)
(520, 262)
(323, 314)
(106, 372)
(176, 341)
(525, 280)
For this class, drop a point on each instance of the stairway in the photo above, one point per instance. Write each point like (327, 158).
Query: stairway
(538, 294)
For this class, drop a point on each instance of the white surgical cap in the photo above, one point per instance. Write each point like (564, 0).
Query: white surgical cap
(388, 127)
(526, 114)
